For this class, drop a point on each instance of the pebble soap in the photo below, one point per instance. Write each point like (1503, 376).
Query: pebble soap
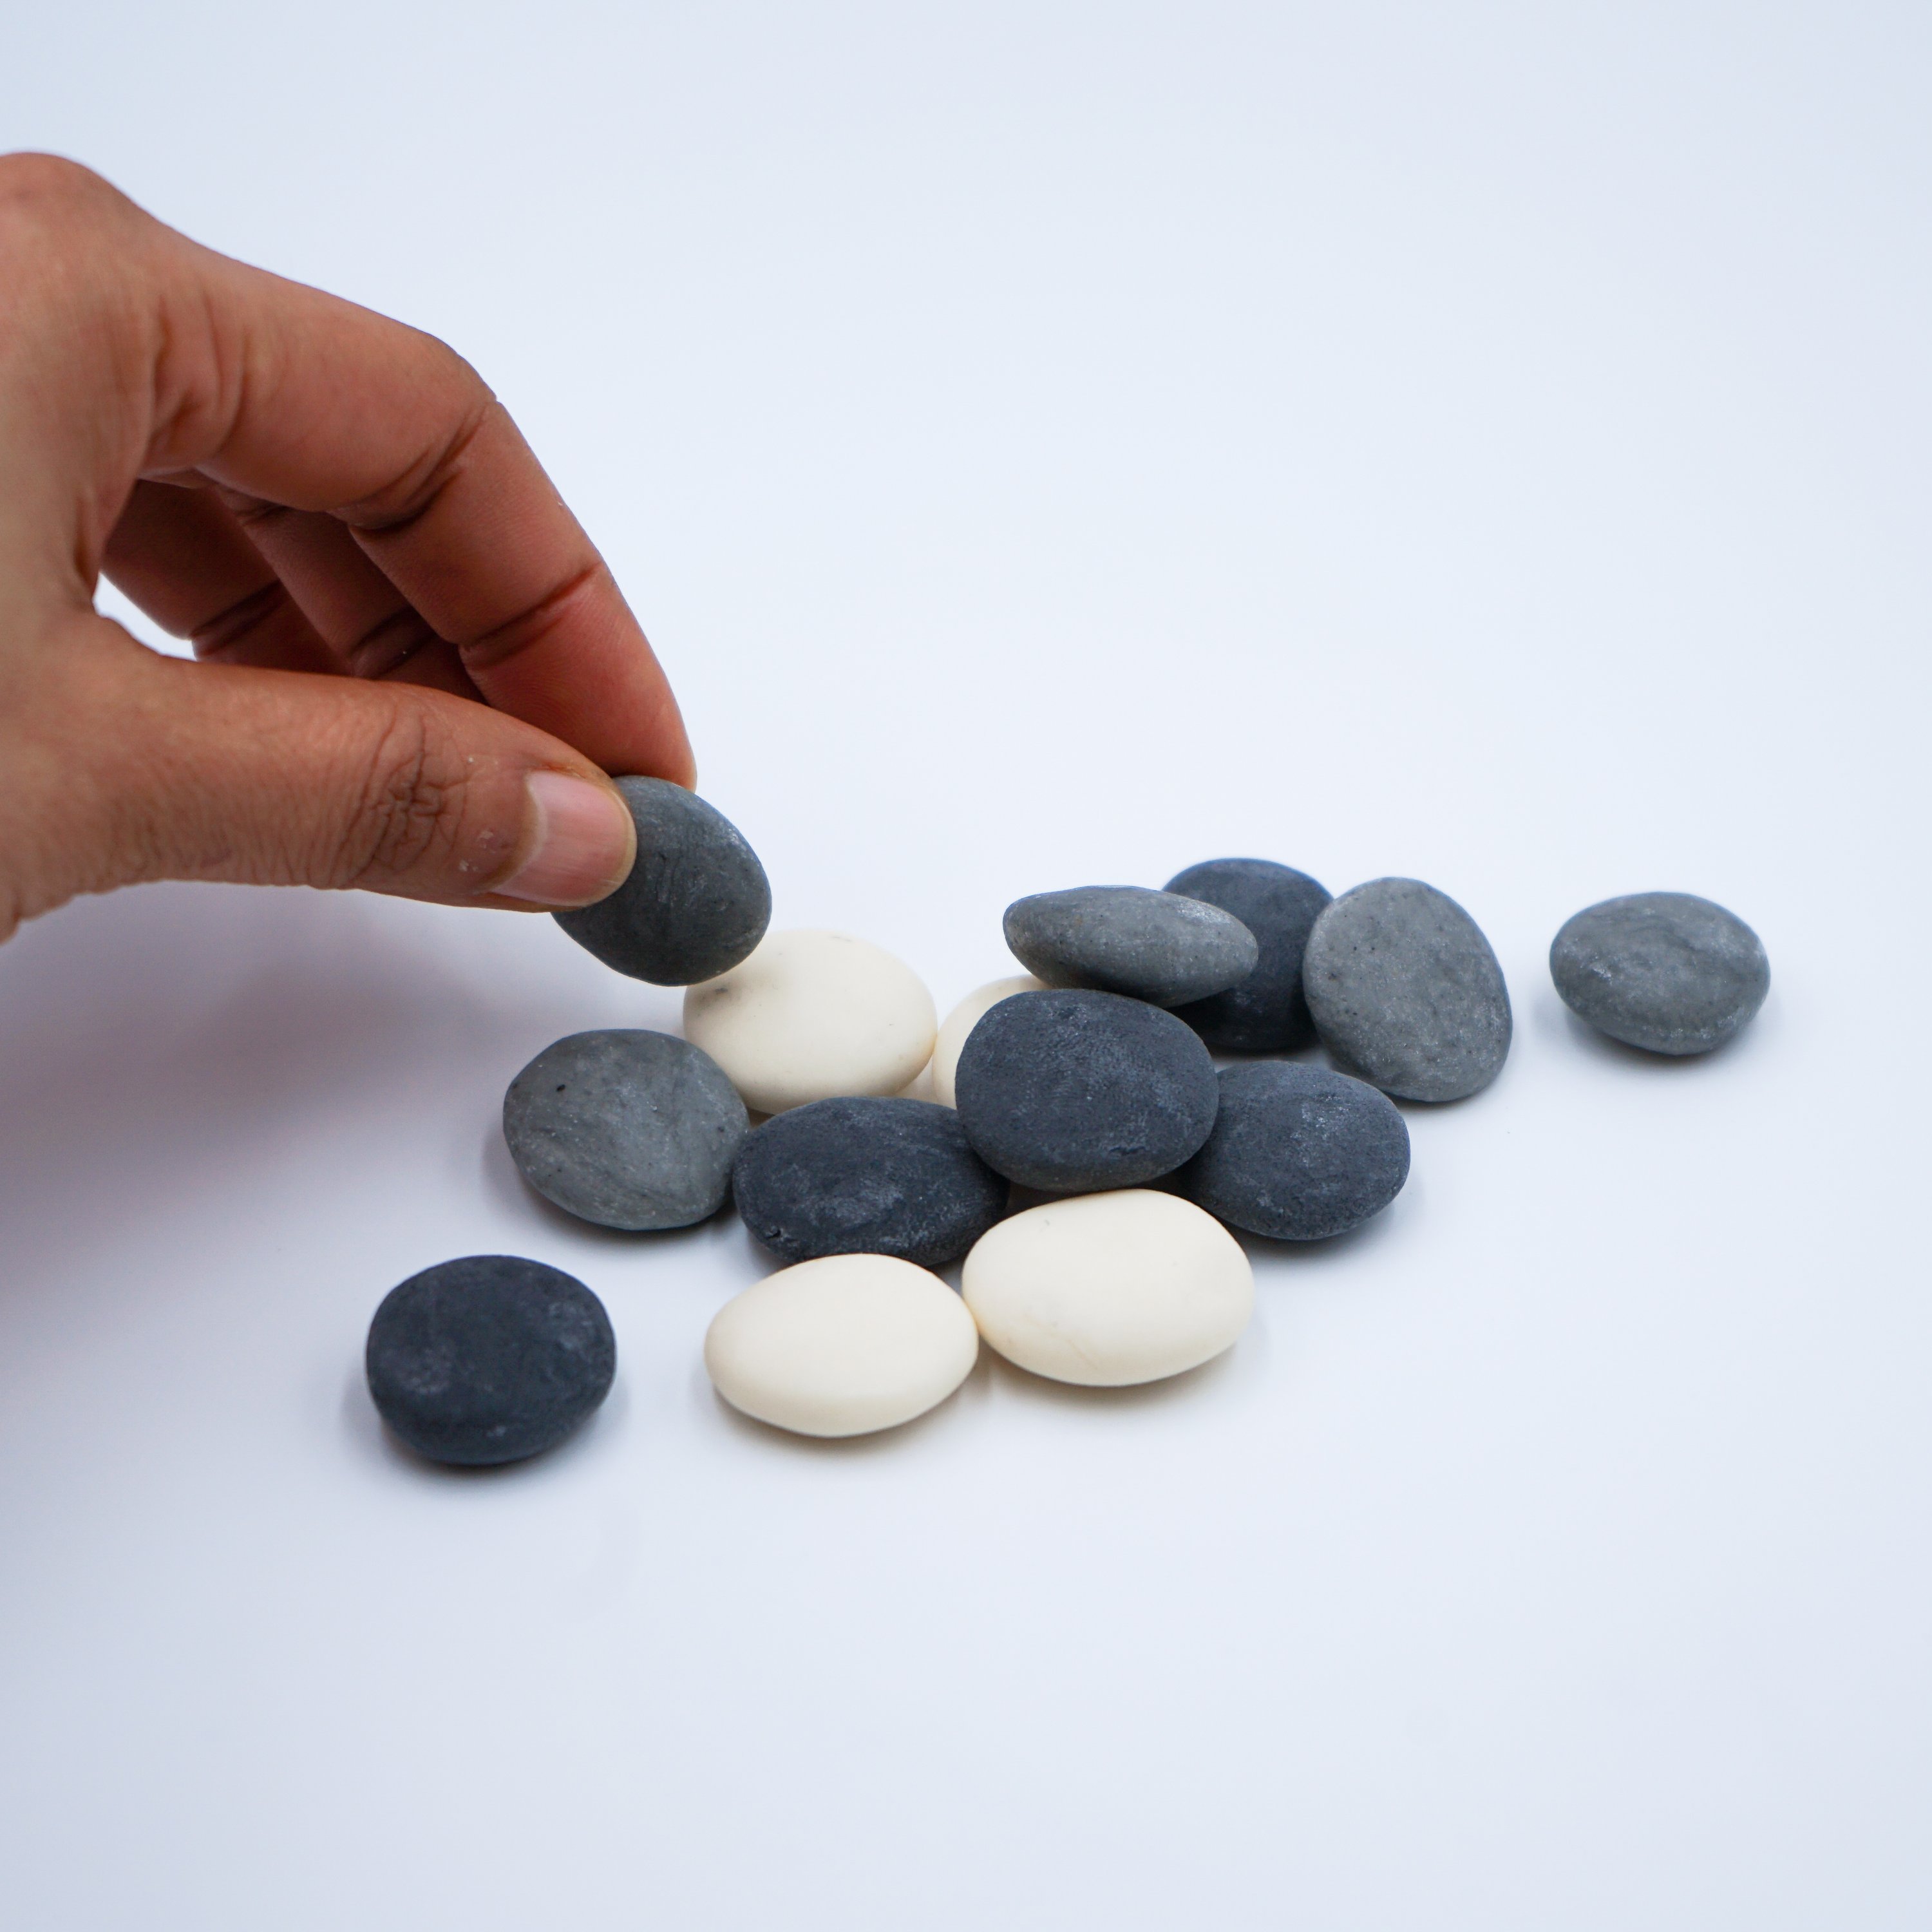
(1267, 1012)
(960, 1022)
(1667, 971)
(1405, 991)
(1161, 947)
(842, 1346)
(695, 903)
(627, 1129)
(811, 1015)
(488, 1360)
(1109, 1289)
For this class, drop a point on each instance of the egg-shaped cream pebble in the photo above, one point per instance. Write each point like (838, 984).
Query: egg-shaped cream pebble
(1107, 1289)
(811, 1015)
(963, 1018)
(841, 1346)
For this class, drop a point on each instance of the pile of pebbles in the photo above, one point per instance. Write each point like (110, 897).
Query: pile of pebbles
(1082, 1156)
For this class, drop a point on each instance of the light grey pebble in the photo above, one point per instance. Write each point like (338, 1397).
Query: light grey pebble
(1161, 947)
(1667, 971)
(627, 1129)
(1405, 991)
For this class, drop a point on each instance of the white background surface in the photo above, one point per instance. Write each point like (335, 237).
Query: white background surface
(1050, 444)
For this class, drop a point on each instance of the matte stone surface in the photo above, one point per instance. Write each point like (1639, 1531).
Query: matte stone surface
(627, 1128)
(1405, 991)
(1074, 1090)
(696, 901)
(1665, 971)
(862, 1176)
(489, 1359)
(1297, 1153)
(1267, 1012)
(1158, 946)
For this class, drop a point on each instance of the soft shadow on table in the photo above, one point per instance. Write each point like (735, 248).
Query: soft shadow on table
(1558, 1027)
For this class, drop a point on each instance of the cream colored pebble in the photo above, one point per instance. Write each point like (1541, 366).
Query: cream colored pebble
(963, 1018)
(809, 1015)
(842, 1346)
(1108, 1289)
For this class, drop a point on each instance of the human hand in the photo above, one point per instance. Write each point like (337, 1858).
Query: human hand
(415, 669)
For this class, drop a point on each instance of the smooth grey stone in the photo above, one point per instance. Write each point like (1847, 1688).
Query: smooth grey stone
(627, 1128)
(489, 1359)
(1665, 971)
(1298, 1152)
(1406, 992)
(1073, 1091)
(694, 904)
(866, 1177)
(1268, 1012)
(1157, 946)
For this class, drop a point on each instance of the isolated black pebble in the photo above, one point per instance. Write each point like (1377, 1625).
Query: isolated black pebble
(1298, 1152)
(1268, 1012)
(489, 1359)
(695, 903)
(866, 1177)
(1074, 1091)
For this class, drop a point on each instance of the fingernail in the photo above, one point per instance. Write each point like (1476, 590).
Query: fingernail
(582, 846)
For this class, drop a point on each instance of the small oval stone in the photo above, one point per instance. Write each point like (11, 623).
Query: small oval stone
(1268, 1012)
(1298, 1152)
(862, 1176)
(1109, 1289)
(1071, 1091)
(842, 1346)
(960, 1022)
(1405, 991)
(627, 1128)
(1667, 971)
(1161, 947)
(695, 902)
(489, 1359)
(812, 1014)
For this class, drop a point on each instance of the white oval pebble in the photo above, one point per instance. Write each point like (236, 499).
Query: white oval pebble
(841, 1346)
(809, 1015)
(1107, 1289)
(963, 1018)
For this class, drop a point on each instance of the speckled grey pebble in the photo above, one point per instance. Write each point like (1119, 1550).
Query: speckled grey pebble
(489, 1359)
(1073, 1091)
(627, 1128)
(1298, 1152)
(695, 903)
(1158, 946)
(866, 1177)
(1405, 991)
(1665, 971)
(1267, 1012)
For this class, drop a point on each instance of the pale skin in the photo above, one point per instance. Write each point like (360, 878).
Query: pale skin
(414, 671)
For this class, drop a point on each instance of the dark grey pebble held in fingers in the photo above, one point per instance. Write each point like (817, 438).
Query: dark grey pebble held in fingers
(1161, 947)
(627, 1128)
(489, 1360)
(1074, 1091)
(1268, 1012)
(1298, 1152)
(1405, 991)
(1667, 971)
(866, 1177)
(694, 904)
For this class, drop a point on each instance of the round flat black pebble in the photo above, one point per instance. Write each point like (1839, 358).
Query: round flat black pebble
(1268, 1012)
(695, 903)
(866, 1177)
(627, 1129)
(1158, 946)
(1073, 1092)
(1668, 971)
(489, 1359)
(1298, 1152)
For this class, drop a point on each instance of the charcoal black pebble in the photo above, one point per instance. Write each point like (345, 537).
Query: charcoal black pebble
(1073, 1091)
(1268, 1012)
(866, 1177)
(489, 1359)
